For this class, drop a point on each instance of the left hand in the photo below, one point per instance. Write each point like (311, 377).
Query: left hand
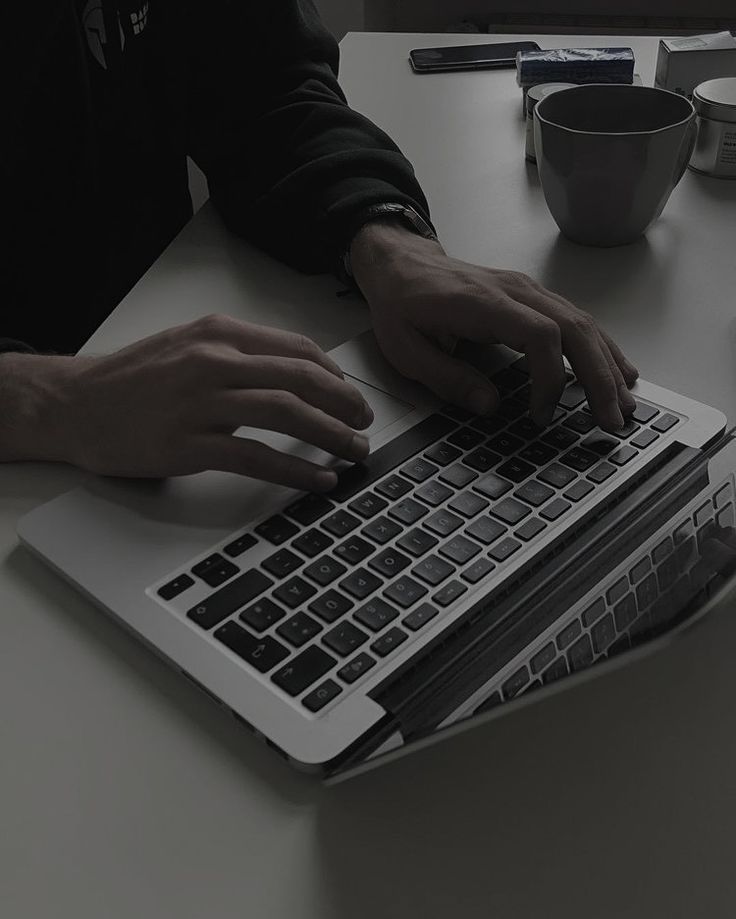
(423, 302)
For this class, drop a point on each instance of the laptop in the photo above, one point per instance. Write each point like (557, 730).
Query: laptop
(469, 566)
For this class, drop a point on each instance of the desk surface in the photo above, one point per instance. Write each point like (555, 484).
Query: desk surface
(125, 793)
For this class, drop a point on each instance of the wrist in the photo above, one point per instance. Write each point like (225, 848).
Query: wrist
(34, 407)
(381, 245)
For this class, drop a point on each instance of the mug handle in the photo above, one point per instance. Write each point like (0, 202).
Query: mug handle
(686, 149)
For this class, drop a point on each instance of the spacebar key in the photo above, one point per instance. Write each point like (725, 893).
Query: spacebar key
(401, 448)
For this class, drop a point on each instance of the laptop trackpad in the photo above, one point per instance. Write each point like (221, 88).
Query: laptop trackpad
(386, 408)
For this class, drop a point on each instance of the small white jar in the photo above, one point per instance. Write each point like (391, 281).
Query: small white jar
(715, 150)
(536, 94)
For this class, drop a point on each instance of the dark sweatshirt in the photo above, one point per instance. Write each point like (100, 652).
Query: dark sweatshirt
(107, 100)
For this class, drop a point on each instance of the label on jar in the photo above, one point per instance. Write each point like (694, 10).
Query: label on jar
(727, 156)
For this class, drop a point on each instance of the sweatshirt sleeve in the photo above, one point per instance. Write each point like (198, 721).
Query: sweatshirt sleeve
(289, 165)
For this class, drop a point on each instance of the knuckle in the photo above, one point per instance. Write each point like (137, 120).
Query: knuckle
(517, 280)
(210, 326)
(307, 348)
(284, 402)
(580, 323)
(544, 332)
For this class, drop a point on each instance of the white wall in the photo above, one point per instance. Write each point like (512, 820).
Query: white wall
(341, 16)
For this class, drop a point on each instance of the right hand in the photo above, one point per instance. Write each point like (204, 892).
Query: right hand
(169, 404)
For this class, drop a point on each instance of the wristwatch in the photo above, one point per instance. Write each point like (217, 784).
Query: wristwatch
(404, 212)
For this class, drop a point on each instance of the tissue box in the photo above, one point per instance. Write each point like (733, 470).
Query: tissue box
(575, 65)
(682, 63)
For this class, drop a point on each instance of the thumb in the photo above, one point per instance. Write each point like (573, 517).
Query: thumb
(450, 378)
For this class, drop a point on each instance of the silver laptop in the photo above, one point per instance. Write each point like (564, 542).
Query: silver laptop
(468, 566)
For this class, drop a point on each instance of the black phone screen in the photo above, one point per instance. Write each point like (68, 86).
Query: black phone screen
(469, 57)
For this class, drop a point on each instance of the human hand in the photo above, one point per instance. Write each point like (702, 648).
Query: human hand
(423, 303)
(168, 405)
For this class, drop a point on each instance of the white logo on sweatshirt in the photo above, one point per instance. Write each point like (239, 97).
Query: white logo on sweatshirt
(94, 27)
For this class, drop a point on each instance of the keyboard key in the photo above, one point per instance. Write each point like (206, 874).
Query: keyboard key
(389, 562)
(530, 529)
(356, 668)
(303, 670)
(580, 654)
(417, 542)
(525, 428)
(408, 511)
(344, 638)
(175, 587)
(381, 530)
(240, 545)
(646, 592)
(340, 523)
(353, 550)
(361, 583)
(232, 597)
(603, 634)
(368, 505)
(568, 635)
(556, 671)
(485, 530)
(542, 658)
(579, 490)
(555, 509)
(443, 523)
(443, 454)
(319, 697)
(594, 612)
(405, 591)
(481, 459)
(466, 438)
(449, 593)
(644, 439)
(601, 472)
(432, 570)
(623, 455)
(294, 591)
(502, 550)
(276, 529)
(298, 629)
(330, 605)
(215, 570)
(262, 653)
(556, 475)
(630, 427)
(668, 572)
(419, 470)
(490, 426)
(460, 550)
(722, 496)
(419, 617)
(515, 683)
(458, 475)
(582, 422)
(664, 423)
(662, 550)
(434, 493)
(312, 543)
(538, 454)
(477, 571)
(512, 408)
(306, 510)
(467, 503)
(505, 443)
(703, 513)
(376, 614)
(516, 470)
(640, 569)
(625, 612)
(644, 413)
(492, 701)
(599, 443)
(492, 486)
(560, 438)
(454, 411)
(622, 643)
(393, 487)
(617, 591)
(397, 451)
(324, 570)
(386, 643)
(579, 459)
(282, 563)
(534, 493)
(573, 396)
(509, 379)
(262, 614)
(510, 511)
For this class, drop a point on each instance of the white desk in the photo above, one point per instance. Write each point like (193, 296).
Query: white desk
(125, 793)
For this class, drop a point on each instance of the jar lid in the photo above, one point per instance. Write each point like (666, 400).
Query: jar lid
(538, 92)
(716, 99)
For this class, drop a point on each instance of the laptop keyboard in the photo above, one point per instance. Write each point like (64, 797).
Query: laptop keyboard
(438, 510)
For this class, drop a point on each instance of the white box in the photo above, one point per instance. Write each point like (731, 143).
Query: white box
(682, 63)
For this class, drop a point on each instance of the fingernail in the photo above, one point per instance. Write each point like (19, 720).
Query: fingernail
(359, 446)
(480, 401)
(617, 419)
(368, 415)
(325, 480)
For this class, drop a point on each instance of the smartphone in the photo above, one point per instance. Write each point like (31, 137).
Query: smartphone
(468, 57)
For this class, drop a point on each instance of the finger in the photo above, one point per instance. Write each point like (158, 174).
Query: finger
(307, 380)
(629, 371)
(226, 453)
(626, 402)
(450, 378)
(285, 413)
